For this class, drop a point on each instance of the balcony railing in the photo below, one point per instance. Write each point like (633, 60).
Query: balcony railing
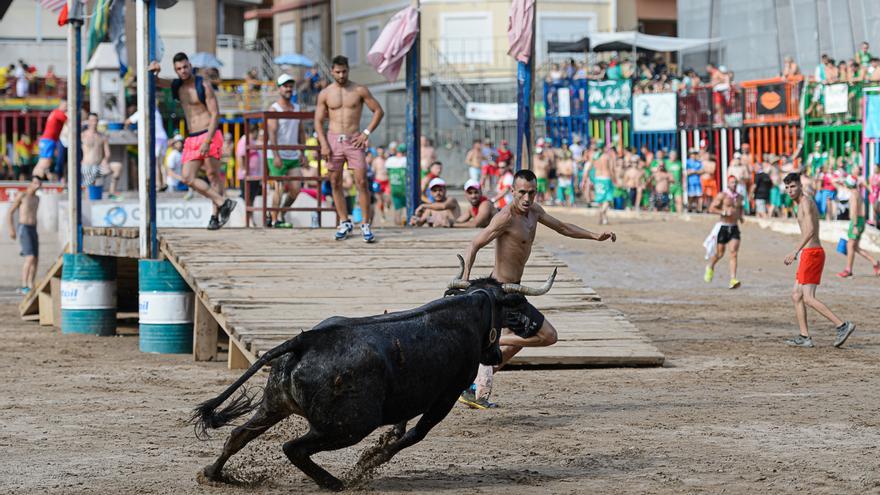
(38, 87)
(834, 103)
(772, 101)
(703, 106)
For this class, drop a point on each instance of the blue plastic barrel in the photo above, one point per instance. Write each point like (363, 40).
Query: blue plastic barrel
(88, 295)
(95, 192)
(165, 309)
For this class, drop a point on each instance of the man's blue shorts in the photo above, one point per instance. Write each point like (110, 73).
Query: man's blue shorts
(47, 148)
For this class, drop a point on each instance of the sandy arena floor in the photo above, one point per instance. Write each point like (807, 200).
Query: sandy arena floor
(733, 410)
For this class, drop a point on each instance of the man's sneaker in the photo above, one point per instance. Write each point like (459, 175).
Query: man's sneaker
(843, 333)
(225, 210)
(800, 341)
(877, 269)
(845, 274)
(734, 284)
(281, 224)
(709, 274)
(344, 229)
(467, 398)
(116, 197)
(189, 195)
(368, 233)
(213, 223)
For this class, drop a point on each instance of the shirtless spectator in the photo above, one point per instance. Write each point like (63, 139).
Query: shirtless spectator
(541, 167)
(342, 103)
(443, 212)
(708, 183)
(857, 222)
(790, 69)
(565, 179)
(380, 175)
(738, 169)
(427, 154)
(661, 180)
(809, 271)
(204, 143)
(874, 70)
(474, 160)
(634, 183)
(96, 157)
(26, 203)
(603, 184)
(481, 208)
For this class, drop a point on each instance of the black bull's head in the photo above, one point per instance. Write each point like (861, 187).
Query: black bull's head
(505, 299)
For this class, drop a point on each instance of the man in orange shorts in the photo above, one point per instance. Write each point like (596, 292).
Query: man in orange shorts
(809, 272)
(204, 143)
(707, 179)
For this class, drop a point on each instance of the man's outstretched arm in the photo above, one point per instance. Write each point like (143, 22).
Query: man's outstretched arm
(572, 230)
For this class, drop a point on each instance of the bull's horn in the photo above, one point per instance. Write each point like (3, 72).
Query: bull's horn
(457, 282)
(530, 291)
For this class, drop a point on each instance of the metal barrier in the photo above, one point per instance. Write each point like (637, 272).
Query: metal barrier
(655, 140)
(834, 103)
(251, 118)
(832, 137)
(567, 113)
(774, 100)
(777, 139)
(703, 106)
(721, 143)
(611, 131)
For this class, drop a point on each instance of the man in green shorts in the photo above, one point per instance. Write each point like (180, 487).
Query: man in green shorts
(673, 166)
(856, 226)
(541, 164)
(603, 185)
(396, 167)
(284, 162)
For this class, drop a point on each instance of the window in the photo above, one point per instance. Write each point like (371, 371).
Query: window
(350, 46)
(288, 38)
(372, 36)
(466, 38)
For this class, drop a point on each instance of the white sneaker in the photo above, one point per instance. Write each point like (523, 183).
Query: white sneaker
(344, 229)
(368, 233)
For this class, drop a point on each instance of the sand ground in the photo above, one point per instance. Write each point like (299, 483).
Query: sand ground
(732, 411)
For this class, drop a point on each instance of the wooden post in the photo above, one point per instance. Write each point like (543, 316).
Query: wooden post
(74, 102)
(205, 332)
(237, 359)
(413, 122)
(146, 158)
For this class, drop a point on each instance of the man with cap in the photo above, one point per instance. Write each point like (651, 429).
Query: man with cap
(816, 159)
(284, 132)
(443, 212)
(481, 210)
(851, 157)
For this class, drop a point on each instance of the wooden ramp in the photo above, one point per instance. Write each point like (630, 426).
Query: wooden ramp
(263, 286)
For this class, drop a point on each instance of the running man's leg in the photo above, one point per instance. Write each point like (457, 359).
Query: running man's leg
(512, 343)
(734, 250)
(800, 309)
(719, 253)
(809, 295)
(33, 262)
(190, 178)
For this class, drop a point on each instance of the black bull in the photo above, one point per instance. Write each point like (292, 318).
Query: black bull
(349, 376)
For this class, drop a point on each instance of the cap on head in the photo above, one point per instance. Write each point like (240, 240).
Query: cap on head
(848, 144)
(600, 144)
(401, 148)
(435, 182)
(471, 184)
(284, 79)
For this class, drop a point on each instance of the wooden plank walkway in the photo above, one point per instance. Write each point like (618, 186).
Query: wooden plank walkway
(263, 286)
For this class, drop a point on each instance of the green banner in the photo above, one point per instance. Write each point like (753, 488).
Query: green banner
(610, 97)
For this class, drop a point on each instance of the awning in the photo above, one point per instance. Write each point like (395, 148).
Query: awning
(627, 40)
(582, 45)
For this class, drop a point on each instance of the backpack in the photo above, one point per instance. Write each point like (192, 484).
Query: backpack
(200, 89)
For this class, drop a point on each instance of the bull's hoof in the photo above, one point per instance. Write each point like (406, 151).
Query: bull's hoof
(332, 484)
(208, 476)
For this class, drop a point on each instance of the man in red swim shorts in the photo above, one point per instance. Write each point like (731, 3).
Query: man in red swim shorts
(809, 272)
(204, 143)
(341, 103)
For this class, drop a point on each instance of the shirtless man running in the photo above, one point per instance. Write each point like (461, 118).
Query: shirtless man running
(728, 204)
(204, 144)
(809, 272)
(513, 230)
(342, 103)
(96, 156)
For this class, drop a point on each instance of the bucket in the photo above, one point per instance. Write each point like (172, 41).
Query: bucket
(88, 295)
(95, 192)
(165, 304)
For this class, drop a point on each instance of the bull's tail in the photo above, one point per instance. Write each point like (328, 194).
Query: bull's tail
(205, 416)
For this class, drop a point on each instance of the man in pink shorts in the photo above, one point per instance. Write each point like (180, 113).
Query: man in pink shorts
(204, 143)
(341, 103)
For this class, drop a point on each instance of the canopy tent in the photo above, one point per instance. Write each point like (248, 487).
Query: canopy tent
(626, 41)
(630, 40)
